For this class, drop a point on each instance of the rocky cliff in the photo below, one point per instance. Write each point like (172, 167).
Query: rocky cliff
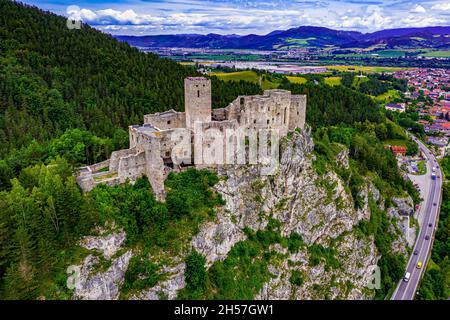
(319, 208)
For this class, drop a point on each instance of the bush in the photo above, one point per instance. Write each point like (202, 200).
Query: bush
(296, 278)
(195, 275)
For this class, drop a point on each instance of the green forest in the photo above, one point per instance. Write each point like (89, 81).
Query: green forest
(66, 100)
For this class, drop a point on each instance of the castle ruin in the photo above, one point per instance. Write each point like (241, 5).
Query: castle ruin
(155, 147)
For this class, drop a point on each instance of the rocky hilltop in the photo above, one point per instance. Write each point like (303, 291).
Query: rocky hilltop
(333, 261)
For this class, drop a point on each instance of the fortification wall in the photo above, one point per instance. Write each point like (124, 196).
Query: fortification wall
(268, 111)
(234, 109)
(132, 166)
(116, 156)
(99, 166)
(219, 114)
(197, 94)
(211, 145)
(166, 120)
(176, 141)
(297, 112)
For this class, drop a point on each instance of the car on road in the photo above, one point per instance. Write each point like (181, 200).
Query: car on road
(427, 237)
(430, 225)
(407, 276)
(416, 252)
(419, 265)
(434, 204)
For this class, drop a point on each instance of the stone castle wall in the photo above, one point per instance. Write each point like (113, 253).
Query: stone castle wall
(166, 120)
(197, 93)
(132, 167)
(297, 112)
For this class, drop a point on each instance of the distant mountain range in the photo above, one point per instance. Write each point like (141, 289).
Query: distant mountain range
(305, 36)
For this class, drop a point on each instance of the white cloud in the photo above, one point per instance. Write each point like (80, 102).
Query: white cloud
(444, 6)
(110, 17)
(418, 22)
(373, 18)
(418, 9)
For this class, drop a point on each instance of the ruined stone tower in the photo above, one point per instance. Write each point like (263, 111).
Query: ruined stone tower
(197, 94)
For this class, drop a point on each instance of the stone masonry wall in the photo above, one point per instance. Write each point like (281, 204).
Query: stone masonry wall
(166, 120)
(197, 93)
(297, 112)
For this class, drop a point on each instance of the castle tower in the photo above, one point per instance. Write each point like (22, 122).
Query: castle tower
(197, 95)
(297, 114)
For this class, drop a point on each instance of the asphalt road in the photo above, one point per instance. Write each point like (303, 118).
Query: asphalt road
(407, 290)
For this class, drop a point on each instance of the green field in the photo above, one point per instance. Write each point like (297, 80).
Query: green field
(391, 53)
(395, 142)
(358, 80)
(387, 97)
(366, 69)
(250, 76)
(437, 54)
(333, 81)
(299, 41)
(298, 80)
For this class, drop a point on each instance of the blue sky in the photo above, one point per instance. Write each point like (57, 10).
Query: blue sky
(140, 17)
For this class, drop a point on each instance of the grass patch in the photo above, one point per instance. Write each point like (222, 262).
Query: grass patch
(298, 80)
(249, 76)
(388, 96)
(395, 142)
(333, 81)
(437, 54)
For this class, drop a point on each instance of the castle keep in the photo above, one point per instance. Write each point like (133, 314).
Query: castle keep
(156, 146)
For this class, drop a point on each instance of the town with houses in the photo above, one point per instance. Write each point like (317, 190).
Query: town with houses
(429, 95)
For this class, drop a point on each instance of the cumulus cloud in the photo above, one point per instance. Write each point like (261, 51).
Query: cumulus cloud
(444, 6)
(372, 18)
(418, 9)
(115, 17)
(415, 21)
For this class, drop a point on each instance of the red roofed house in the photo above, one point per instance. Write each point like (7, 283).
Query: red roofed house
(398, 150)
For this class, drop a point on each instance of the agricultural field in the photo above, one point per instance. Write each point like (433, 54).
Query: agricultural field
(391, 53)
(333, 81)
(250, 76)
(437, 54)
(298, 80)
(366, 69)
